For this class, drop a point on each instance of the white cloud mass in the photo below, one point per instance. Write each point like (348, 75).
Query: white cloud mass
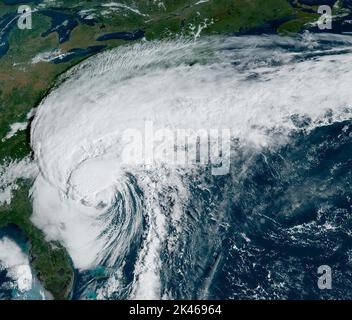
(244, 84)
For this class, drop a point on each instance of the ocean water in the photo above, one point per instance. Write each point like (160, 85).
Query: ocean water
(160, 230)
(259, 233)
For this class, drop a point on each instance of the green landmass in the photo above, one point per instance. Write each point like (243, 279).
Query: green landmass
(24, 84)
(50, 260)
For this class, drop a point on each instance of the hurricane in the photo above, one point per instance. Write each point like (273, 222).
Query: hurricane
(160, 230)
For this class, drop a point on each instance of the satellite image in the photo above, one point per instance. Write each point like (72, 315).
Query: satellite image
(176, 150)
